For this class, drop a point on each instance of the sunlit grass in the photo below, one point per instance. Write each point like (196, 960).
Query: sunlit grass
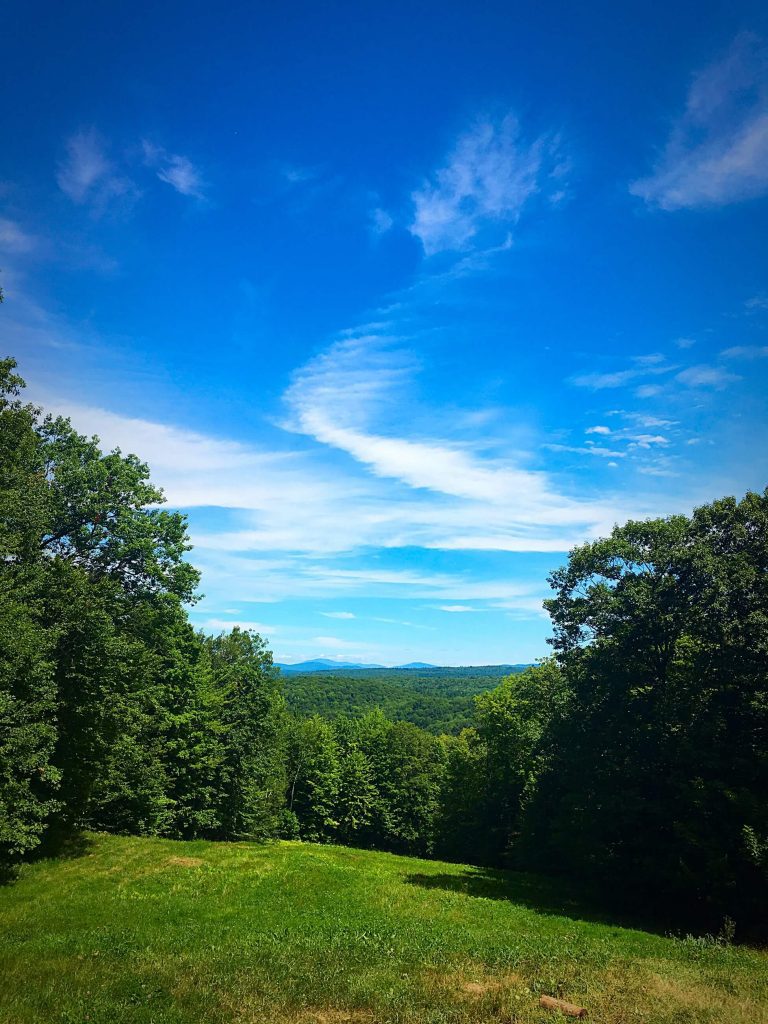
(153, 931)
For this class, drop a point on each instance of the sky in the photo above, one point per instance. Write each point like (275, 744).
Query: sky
(400, 302)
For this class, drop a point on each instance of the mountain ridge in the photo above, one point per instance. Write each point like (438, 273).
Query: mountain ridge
(328, 665)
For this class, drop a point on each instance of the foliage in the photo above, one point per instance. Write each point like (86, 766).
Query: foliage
(113, 712)
(438, 700)
(368, 781)
(657, 767)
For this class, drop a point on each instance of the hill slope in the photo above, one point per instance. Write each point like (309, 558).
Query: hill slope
(149, 931)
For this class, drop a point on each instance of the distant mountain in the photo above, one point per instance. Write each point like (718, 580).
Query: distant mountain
(323, 665)
(328, 665)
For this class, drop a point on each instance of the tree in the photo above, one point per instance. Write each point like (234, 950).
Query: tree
(314, 776)
(511, 721)
(657, 773)
(253, 723)
(86, 557)
(28, 778)
(407, 765)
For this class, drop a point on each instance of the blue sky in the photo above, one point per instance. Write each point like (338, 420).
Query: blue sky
(400, 302)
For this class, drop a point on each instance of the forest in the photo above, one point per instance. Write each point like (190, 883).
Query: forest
(634, 759)
(439, 700)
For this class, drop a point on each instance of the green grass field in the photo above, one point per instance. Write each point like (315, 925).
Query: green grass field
(149, 930)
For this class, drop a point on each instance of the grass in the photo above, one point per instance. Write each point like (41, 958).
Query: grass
(158, 932)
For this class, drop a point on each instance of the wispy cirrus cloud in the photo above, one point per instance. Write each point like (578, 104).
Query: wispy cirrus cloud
(489, 177)
(643, 366)
(90, 176)
(177, 171)
(215, 625)
(339, 398)
(745, 352)
(717, 152)
(706, 376)
(335, 396)
(589, 449)
(87, 176)
(14, 239)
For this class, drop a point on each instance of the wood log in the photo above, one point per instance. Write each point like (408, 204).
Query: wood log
(550, 1003)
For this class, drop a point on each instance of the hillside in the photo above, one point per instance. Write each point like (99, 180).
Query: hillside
(151, 931)
(436, 699)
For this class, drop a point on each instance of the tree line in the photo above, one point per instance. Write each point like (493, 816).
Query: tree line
(636, 757)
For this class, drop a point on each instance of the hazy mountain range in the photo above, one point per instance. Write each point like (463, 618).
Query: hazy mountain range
(328, 665)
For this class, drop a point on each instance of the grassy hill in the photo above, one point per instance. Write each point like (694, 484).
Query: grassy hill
(436, 699)
(157, 932)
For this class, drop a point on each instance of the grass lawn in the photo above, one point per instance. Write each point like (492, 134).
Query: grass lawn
(151, 931)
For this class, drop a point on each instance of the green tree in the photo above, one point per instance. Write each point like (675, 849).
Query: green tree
(314, 775)
(407, 765)
(657, 774)
(28, 701)
(253, 724)
(510, 723)
(358, 793)
(85, 554)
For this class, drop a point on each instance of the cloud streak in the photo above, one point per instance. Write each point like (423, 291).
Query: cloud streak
(177, 171)
(717, 152)
(13, 238)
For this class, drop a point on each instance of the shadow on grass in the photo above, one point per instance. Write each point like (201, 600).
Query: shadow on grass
(60, 844)
(537, 893)
(63, 844)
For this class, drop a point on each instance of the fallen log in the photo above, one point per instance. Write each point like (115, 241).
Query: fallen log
(550, 1003)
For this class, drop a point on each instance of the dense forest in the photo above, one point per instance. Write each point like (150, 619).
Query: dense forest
(635, 757)
(439, 700)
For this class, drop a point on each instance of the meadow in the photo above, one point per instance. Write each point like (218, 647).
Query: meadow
(156, 931)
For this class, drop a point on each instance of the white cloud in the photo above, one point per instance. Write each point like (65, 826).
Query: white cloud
(648, 390)
(652, 470)
(87, 176)
(457, 608)
(645, 420)
(590, 449)
(685, 342)
(717, 152)
(177, 171)
(647, 440)
(488, 179)
(598, 430)
(644, 366)
(13, 238)
(227, 625)
(653, 359)
(704, 376)
(746, 352)
(381, 221)
(183, 176)
(335, 397)
(339, 615)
